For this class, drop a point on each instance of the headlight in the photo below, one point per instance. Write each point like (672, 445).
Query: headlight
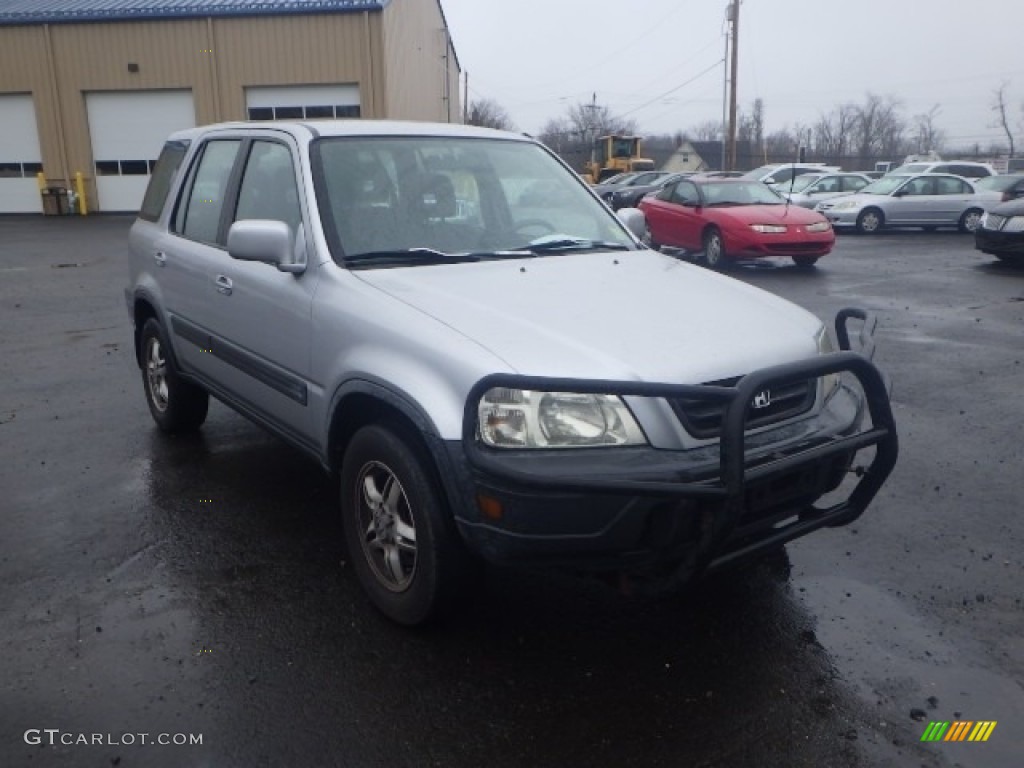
(519, 418)
(774, 229)
(845, 206)
(826, 347)
(1014, 224)
(818, 226)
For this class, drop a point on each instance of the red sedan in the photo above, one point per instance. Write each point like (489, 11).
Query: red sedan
(734, 219)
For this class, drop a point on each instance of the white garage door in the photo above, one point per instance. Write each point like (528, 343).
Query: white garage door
(20, 159)
(127, 129)
(295, 102)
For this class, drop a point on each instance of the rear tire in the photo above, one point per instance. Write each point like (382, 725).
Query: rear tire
(176, 405)
(714, 249)
(401, 539)
(970, 220)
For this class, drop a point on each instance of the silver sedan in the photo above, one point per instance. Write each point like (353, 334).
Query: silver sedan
(907, 200)
(813, 188)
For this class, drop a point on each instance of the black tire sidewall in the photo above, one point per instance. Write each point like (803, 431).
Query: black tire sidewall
(962, 224)
(187, 403)
(436, 562)
(714, 232)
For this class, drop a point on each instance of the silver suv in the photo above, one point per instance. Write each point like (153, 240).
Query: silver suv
(490, 373)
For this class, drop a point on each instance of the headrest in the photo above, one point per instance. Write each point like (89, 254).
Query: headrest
(432, 196)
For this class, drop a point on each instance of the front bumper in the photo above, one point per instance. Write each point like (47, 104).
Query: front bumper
(782, 244)
(651, 511)
(1000, 243)
(840, 219)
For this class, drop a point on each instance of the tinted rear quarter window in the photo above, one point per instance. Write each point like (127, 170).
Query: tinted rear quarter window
(166, 169)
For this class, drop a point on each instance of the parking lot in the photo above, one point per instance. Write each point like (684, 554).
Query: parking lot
(151, 585)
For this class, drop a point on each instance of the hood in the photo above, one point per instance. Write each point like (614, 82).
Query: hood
(791, 215)
(637, 315)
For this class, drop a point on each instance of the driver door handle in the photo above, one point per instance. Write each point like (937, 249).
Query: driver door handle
(223, 284)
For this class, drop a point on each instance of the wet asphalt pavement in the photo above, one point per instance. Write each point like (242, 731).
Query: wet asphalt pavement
(198, 586)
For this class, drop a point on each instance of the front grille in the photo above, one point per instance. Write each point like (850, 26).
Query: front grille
(703, 419)
(994, 221)
(789, 248)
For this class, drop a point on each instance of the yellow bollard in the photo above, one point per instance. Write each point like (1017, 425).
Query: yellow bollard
(41, 181)
(80, 191)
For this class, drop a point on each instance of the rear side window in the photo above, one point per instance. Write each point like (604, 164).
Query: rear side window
(198, 216)
(166, 170)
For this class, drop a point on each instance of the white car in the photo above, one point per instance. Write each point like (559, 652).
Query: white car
(968, 169)
(897, 200)
(780, 174)
(813, 188)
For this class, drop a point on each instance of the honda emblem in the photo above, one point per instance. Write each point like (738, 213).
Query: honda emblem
(763, 399)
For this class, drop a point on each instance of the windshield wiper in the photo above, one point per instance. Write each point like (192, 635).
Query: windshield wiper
(574, 244)
(406, 257)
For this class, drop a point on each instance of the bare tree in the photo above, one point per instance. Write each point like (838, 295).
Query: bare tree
(928, 136)
(833, 133)
(781, 143)
(709, 130)
(489, 114)
(999, 107)
(879, 128)
(757, 125)
(572, 135)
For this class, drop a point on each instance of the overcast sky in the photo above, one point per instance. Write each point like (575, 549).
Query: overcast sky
(659, 61)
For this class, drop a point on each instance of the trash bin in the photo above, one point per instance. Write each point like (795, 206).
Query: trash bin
(56, 201)
(51, 201)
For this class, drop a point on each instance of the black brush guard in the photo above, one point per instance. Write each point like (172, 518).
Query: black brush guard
(734, 475)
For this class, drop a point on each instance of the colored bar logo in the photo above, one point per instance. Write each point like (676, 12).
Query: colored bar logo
(959, 730)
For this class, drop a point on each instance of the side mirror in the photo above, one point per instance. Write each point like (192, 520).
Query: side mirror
(263, 240)
(634, 220)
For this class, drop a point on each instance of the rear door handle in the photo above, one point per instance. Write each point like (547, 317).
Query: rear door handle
(223, 284)
(161, 258)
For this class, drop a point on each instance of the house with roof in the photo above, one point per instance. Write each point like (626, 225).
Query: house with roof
(91, 88)
(701, 156)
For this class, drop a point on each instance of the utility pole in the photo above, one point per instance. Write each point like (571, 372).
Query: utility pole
(465, 98)
(734, 18)
(725, 88)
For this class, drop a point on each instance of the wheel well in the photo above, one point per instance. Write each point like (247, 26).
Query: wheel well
(359, 410)
(710, 228)
(143, 311)
(873, 209)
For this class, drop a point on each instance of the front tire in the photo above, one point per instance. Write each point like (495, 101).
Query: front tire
(970, 220)
(714, 249)
(870, 221)
(175, 404)
(401, 539)
(805, 261)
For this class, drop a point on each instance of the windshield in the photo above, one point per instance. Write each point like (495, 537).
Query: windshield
(739, 193)
(621, 178)
(800, 183)
(885, 185)
(757, 173)
(913, 168)
(423, 198)
(996, 183)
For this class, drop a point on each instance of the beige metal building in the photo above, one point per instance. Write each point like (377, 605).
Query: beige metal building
(93, 87)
